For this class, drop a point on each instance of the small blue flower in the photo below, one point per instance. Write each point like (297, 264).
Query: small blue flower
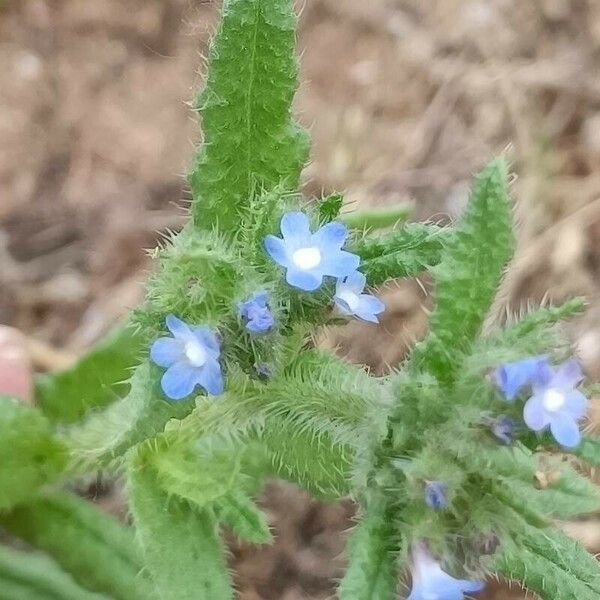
(503, 429)
(257, 313)
(308, 257)
(191, 357)
(557, 404)
(430, 582)
(436, 495)
(512, 377)
(349, 298)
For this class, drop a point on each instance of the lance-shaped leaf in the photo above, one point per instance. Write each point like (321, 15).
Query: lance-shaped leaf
(29, 576)
(30, 456)
(181, 546)
(98, 379)
(470, 272)
(251, 142)
(405, 252)
(373, 556)
(98, 552)
(239, 513)
(142, 414)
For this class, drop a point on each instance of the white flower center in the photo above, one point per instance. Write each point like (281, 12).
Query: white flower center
(307, 258)
(350, 298)
(195, 353)
(553, 400)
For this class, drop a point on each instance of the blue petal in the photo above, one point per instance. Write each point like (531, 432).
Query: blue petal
(330, 237)
(166, 351)
(211, 378)
(565, 431)
(178, 328)
(567, 376)
(295, 228)
(576, 404)
(368, 307)
(534, 414)
(261, 298)
(261, 321)
(179, 380)
(355, 282)
(208, 339)
(514, 376)
(471, 586)
(342, 305)
(277, 250)
(339, 263)
(305, 280)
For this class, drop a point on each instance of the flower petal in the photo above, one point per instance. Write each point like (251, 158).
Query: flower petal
(355, 282)
(342, 305)
(295, 228)
(166, 351)
(576, 404)
(565, 430)
(330, 237)
(261, 321)
(178, 328)
(179, 380)
(277, 250)
(534, 414)
(568, 375)
(368, 307)
(339, 263)
(208, 339)
(471, 586)
(305, 280)
(211, 378)
(513, 376)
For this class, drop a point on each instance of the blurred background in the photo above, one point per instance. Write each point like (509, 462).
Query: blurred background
(404, 100)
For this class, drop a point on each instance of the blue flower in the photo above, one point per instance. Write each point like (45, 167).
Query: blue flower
(557, 404)
(430, 582)
(512, 377)
(192, 358)
(351, 301)
(308, 257)
(436, 494)
(257, 313)
(503, 429)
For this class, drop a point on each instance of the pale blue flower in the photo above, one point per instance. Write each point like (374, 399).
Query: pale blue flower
(349, 298)
(191, 357)
(256, 312)
(436, 494)
(512, 377)
(308, 257)
(430, 582)
(503, 429)
(557, 404)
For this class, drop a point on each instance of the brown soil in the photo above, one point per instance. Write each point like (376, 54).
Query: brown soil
(405, 100)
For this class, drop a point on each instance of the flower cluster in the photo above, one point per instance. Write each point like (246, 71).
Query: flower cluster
(191, 356)
(553, 403)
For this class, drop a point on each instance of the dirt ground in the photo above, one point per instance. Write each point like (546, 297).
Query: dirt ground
(405, 100)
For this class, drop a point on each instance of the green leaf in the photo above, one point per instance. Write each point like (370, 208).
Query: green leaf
(538, 574)
(377, 218)
(405, 252)
(98, 552)
(251, 143)
(589, 450)
(143, 413)
(30, 456)
(181, 546)
(469, 275)
(98, 379)
(238, 512)
(373, 557)
(29, 576)
(330, 207)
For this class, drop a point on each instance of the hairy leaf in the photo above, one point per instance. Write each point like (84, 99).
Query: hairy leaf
(470, 273)
(29, 576)
(373, 564)
(238, 512)
(181, 546)
(98, 379)
(589, 450)
(30, 456)
(250, 141)
(98, 552)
